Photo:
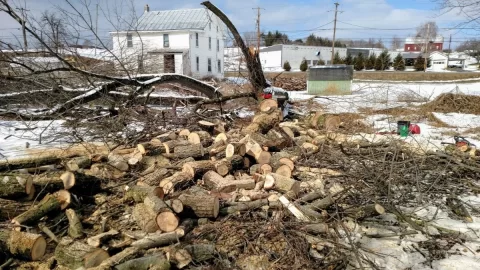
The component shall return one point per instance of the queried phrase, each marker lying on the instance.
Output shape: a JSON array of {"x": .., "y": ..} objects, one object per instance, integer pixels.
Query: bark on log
[
  {"x": 317, "y": 228},
  {"x": 366, "y": 211},
  {"x": 165, "y": 219},
  {"x": 16, "y": 186},
  {"x": 154, "y": 178},
  {"x": 179, "y": 257},
  {"x": 178, "y": 179},
  {"x": 76, "y": 254},
  {"x": 216, "y": 182},
  {"x": 23, "y": 245},
  {"x": 198, "y": 168},
  {"x": 263, "y": 122},
  {"x": 116, "y": 259},
  {"x": 201, "y": 205},
  {"x": 105, "y": 171},
  {"x": 151, "y": 148},
  {"x": 157, "y": 262},
  {"x": 145, "y": 218},
  {"x": 170, "y": 145},
  {"x": 176, "y": 205},
  {"x": 50, "y": 203},
  {"x": 201, "y": 252},
  {"x": 158, "y": 239},
  {"x": 184, "y": 133},
  {"x": 223, "y": 167},
  {"x": 282, "y": 184},
  {"x": 83, "y": 183},
  {"x": 78, "y": 163},
  {"x": 247, "y": 206},
  {"x": 236, "y": 162},
  {"x": 75, "y": 228},
  {"x": 97, "y": 240},
  {"x": 139, "y": 193},
  {"x": 276, "y": 157},
  {"x": 192, "y": 150},
  {"x": 200, "y": 137}
]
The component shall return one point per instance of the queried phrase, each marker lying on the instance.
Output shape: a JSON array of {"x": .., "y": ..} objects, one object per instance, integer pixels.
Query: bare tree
[
  {"x": 427, "y": 30},
  {"x": 396, "y": 43},
  {"x": 470, "y": 9},
  {"x": 53, "y": 30},
  {"x": 250, "y": 38},
  {"x": 472, "y": 48}
]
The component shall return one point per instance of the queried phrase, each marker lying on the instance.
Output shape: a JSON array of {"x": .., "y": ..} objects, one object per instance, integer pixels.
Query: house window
[
  {"x": 209, "y": 43},
  {"x": 218, "y": 45},
  {"x": 198, "y": 63},
  {"x": 219, "y": 64},
  {"x": 166, "y": 41},
  {"x": 209, "y": 65},
  {"x": 196, "y": 39},
  {"x": 129, "y": 41}
]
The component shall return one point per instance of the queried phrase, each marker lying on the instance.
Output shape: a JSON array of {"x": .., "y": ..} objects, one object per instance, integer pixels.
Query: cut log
[
  {"x": 200, "y": 137},
  {"x": 312, "y": 133},
  {"x": 176, "y": 205},
  {"x": 198, "y": 168},
  {"x": 178, "y": 179},
  {"x": 117, "y": 259},
  {"x": 151, "y": 148},
  {"x": 167, "y": 221},
  {"x": 120, "y": 165},
  {"x": 180, "y": 257},
  {"x": 366, "y": 211},
  {"x": 248, "y": 206},
  {"x": 217, "y": 148},
  {"x": 288, "y": 131},
  {"x": 288, "y": 162},
  {"x": 265, "y": 169},
  {"x": 139, "y": 193},
  {"x": 158, "y": 239},
  {"x": 276, "y": 157},
  {"x": 105, "y": 171},
  {"x": 268, "y": 105},
  {"x": 255, "y": 168},
  {"x": 184, "y": 133},
  {"x": 75, "y": 228},
  {"x": 80, "y": 180},
  {"x": 201, "y": 205},
  {"x": 319, "y": 140},
  {"x": 50, "y": 203},
  {"x": 293, "y": 209},
  {"x": 185, "y": 151},
  {"x": 236, "y": 162},
  {"x": 282, "y": 184},
  {"x": 223, "y": 167},
  {"x": 97, "y": 240},
  {"x": 263, "y": 122},
  {"x": 284, "y": 170},
  {"x": 205, "y": 125},
  {"x": 145, "y": 218},
  {"x": 23, "y": 245},
  {"x": 253, "y": 149},
  {"x": 216, "y": 182},
  {"x": 317, "y": 228},
  {"x": 310, "y": 148},
  {"x": 170, "y": 145},
  {"x": 16, "y": 186},
  {"x": 157, "y": 262},
  {"x": 263, "y": 158},
  {"x": 154, "y": 178},
  {"x": 75, "y": 254},
  {"x": 78, "y": 163},
  {"x": 221, "y": 137}
]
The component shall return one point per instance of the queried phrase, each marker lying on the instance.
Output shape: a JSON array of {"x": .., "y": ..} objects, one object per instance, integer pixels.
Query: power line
[{"x": 334, "y": 30}]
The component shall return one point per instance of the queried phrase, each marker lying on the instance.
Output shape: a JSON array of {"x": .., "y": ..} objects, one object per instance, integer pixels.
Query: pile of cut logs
[
  {"x": 115, "y": 208},
  {"x": 291, "y": 84}
]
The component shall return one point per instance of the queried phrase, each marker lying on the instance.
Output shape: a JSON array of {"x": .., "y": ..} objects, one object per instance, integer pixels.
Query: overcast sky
[{"x": 297, "y": 18}]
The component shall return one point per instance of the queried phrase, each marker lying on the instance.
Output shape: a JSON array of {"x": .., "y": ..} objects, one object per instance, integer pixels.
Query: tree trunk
[
  {"x": 50, "y": 203},
  {"x": 16, "y": 186},
  {"x": 257, "y": 79},
  {"x": 75, "y": 254},
  {"x": 201, "y": 205},
  {"x": 23, "y": 245}
]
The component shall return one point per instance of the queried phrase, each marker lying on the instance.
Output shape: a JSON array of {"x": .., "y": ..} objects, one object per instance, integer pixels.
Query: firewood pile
[
  {"x": 268, "y": 195},
  {"x": 291, "y": 84}
]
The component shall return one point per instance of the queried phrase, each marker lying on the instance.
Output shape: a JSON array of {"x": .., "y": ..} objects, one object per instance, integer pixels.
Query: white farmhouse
[{"x": 187, "y": 41}]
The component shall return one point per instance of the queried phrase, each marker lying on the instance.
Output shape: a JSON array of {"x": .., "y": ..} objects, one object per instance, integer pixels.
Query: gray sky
[{"x": 358, "y": 19}]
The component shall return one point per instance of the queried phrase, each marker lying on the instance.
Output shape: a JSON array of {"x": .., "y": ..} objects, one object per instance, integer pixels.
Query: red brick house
[{"x": 417, "y": 44}]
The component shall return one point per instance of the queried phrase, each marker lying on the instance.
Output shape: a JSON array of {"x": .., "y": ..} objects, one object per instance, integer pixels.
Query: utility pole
[
  {"x": 96, "y": 32},
  {"x": 24, "y": 21},
  {"x": 334, "y": 31},
  {"x": 258, "y": 28},
  {"x": 449, "y": 49}
]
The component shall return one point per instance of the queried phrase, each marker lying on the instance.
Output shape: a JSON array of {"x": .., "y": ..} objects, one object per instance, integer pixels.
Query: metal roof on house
[{"x": 182, "y": 19}]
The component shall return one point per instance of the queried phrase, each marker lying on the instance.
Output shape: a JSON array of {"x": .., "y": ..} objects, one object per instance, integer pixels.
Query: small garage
[{"x": 439, "y": 61}]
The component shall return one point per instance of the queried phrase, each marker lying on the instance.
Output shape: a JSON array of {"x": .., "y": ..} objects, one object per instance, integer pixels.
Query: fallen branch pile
[
  {"x": 269, "y": 195},
  {"x": 291, "y": 83}
]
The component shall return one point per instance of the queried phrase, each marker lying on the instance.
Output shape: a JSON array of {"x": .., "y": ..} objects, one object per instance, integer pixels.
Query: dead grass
[
  {"x": 411, "y": 97},
  {"x": 415, "y": 114},
  {"x": 454, "y": 103}
]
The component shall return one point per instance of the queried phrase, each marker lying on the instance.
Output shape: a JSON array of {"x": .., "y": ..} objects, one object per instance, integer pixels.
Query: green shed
[{"x": 330, "y": 80}]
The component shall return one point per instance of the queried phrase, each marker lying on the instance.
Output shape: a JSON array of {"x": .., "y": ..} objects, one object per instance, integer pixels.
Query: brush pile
[
  {"x": 291, "y": 84},
  {"x": 267, "y": 195}
]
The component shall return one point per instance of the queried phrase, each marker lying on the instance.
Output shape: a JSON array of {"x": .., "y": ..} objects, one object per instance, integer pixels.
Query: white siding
[{"x": 271, "y": 60}]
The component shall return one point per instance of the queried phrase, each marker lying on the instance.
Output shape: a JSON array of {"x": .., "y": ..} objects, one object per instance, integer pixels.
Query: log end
[
  {"x": 95, "y": 258},
  {"x": 39, "y": 248},
  {"x": 167, "y": 221},
  {"x": 65, "y": 198},
  {"x": 68, "y": 179}
]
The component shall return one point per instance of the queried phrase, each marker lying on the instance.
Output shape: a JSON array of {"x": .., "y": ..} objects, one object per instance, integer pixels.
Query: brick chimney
[{"x": 147, "y": 8}]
